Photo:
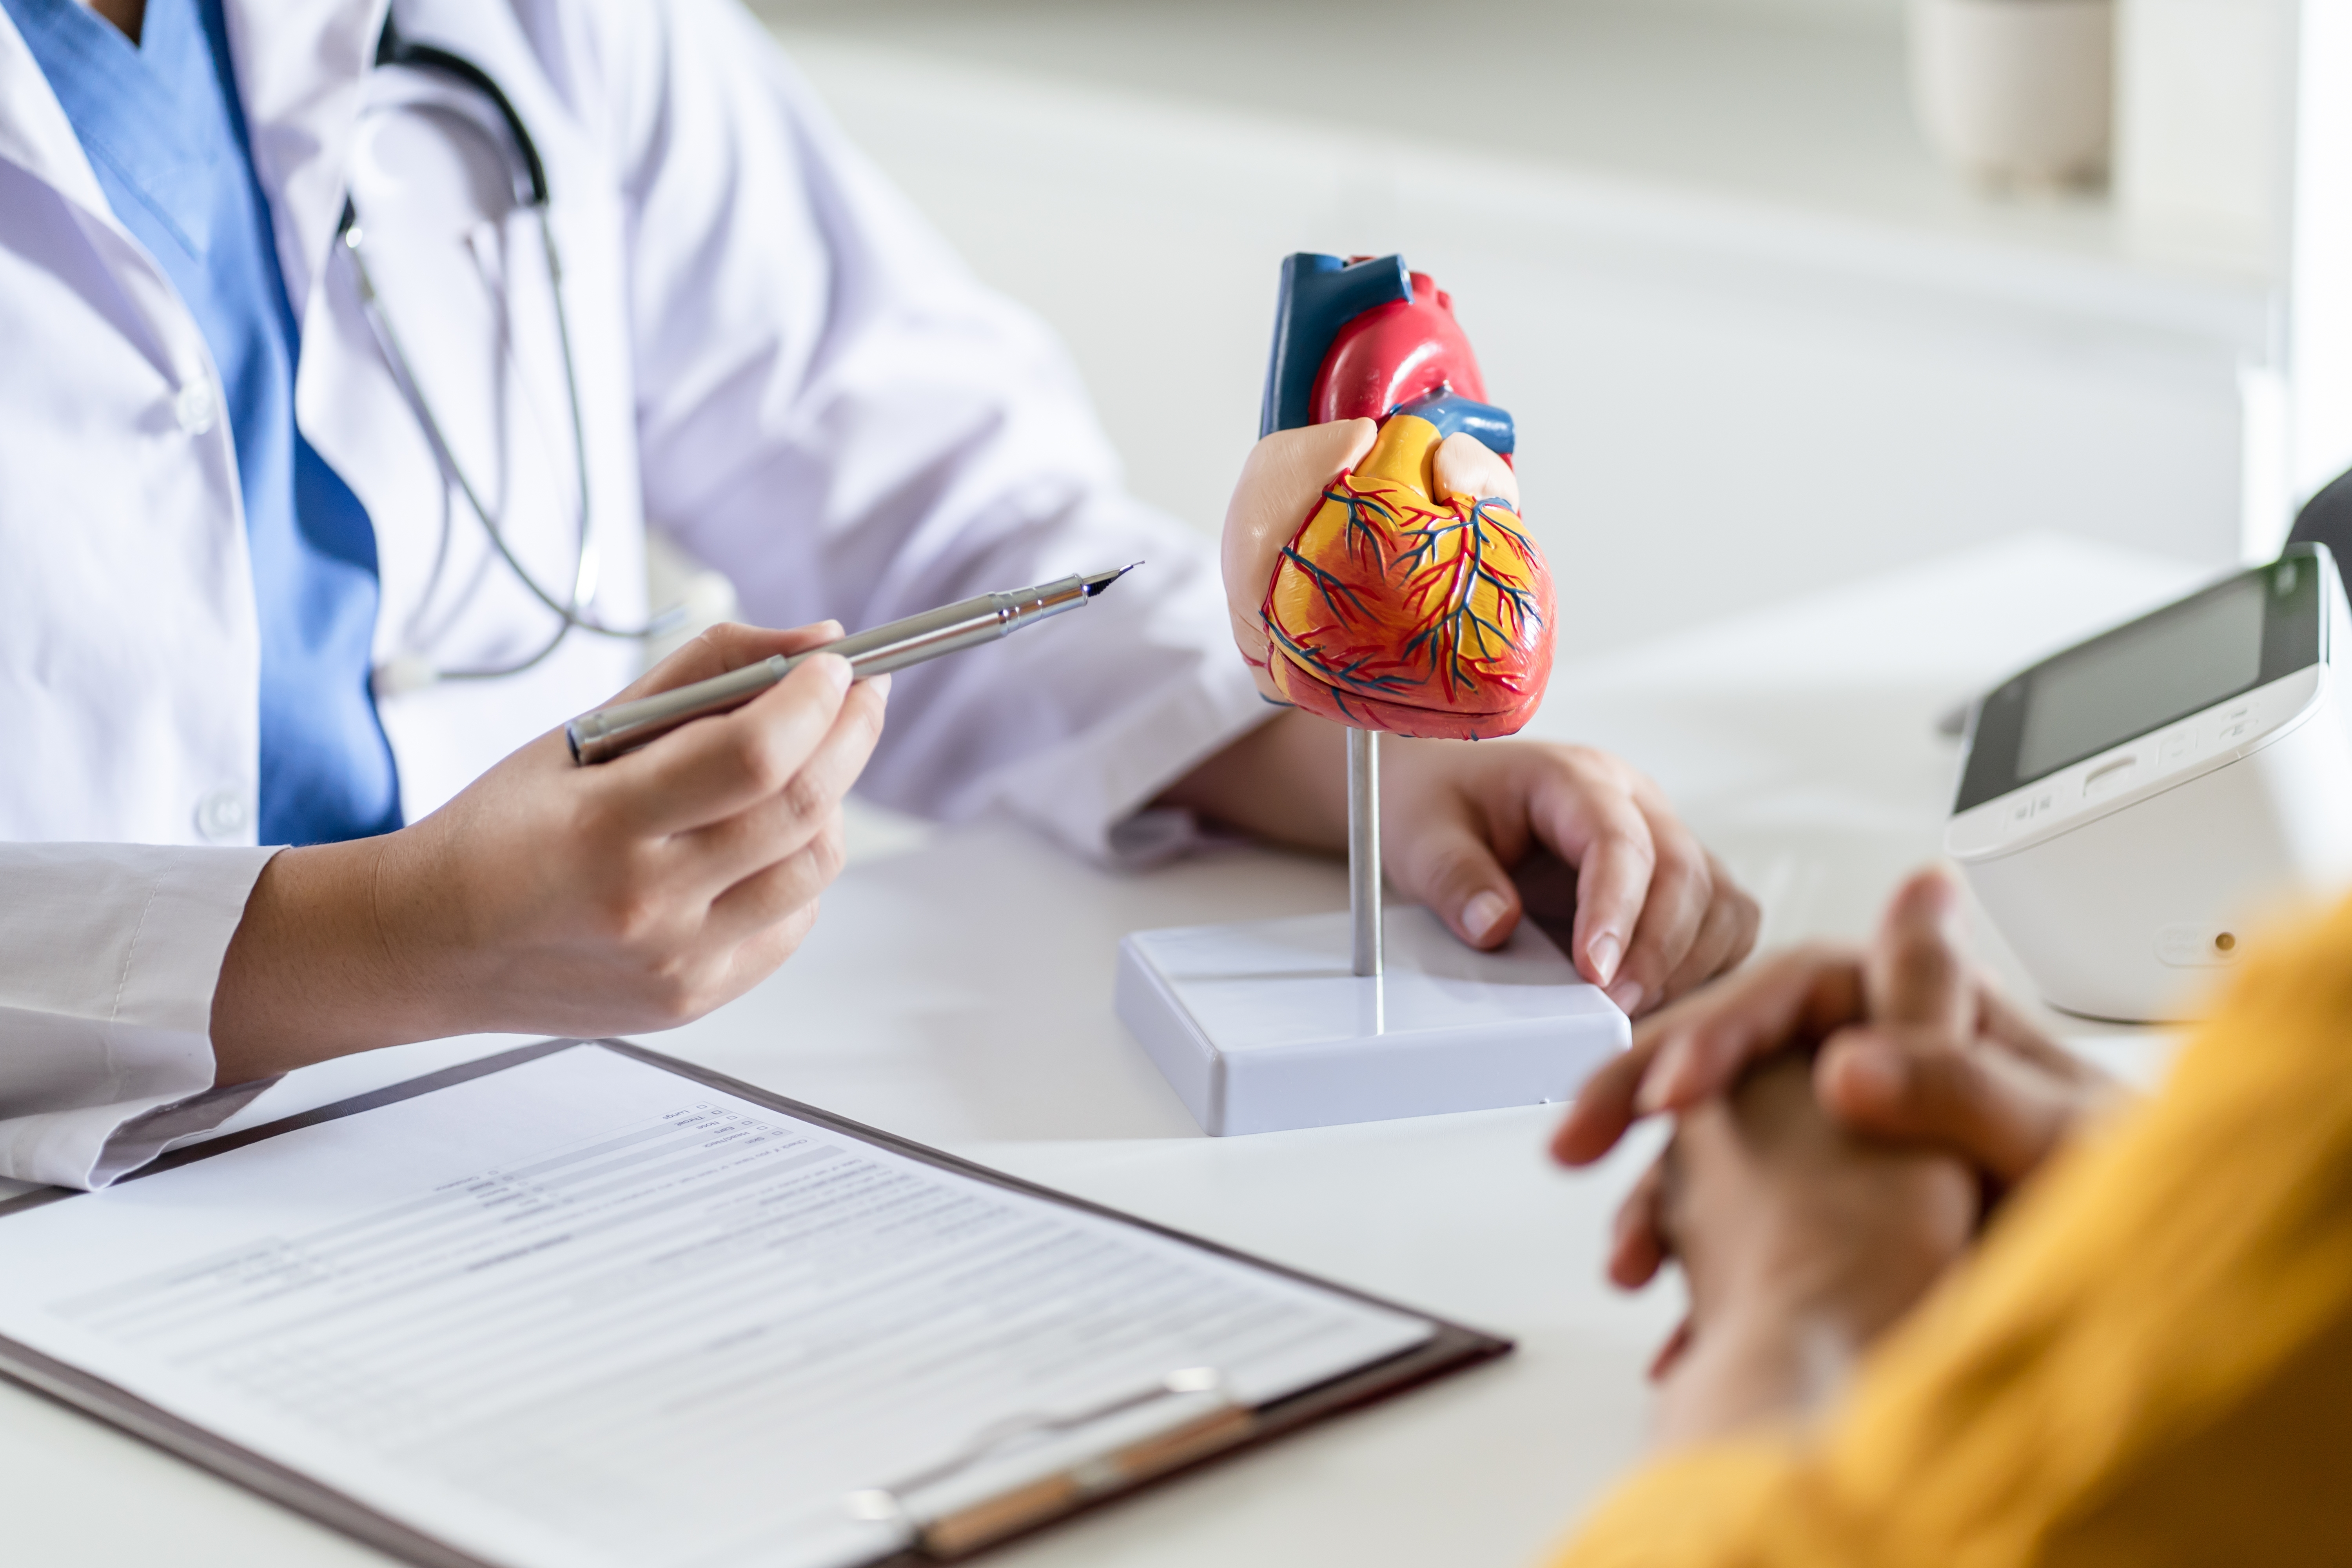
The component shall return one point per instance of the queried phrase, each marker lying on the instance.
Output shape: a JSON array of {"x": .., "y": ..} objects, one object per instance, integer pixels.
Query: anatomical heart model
[
  {"x": 1375, "y": 564},
  {"x": 1377, "y": 576}
]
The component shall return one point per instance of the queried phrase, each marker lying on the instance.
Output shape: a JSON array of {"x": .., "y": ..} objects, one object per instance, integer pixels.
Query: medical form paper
[{"x": 586, "y": 1310}]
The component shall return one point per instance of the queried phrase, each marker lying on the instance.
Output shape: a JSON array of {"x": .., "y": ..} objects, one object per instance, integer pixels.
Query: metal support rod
[{"x": 1364, "y": 847}]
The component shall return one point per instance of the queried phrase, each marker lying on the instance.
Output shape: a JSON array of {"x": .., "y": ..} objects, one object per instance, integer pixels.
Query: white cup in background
[{"x": 2016, "y": 92}]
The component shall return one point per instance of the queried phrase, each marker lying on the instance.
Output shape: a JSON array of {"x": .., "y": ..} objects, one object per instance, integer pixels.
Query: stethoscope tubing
[{"x": 571, "y": 612}]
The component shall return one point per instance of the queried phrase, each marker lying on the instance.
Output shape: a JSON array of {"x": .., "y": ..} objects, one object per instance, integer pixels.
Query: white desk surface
[{"x": 958, "y": 990}]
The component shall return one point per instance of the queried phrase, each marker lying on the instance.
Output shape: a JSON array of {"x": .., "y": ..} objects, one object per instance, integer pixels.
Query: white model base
[{"x": 1261, "y": 1027}]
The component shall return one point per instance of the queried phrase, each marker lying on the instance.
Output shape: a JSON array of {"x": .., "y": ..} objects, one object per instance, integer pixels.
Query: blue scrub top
[{"x": 161, "y": 123}]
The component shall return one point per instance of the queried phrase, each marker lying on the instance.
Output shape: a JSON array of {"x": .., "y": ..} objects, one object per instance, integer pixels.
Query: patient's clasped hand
[{"x": 1950, "y": 1301}]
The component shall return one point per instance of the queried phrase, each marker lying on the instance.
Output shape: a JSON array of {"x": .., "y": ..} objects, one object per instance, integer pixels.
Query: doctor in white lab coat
[{"x": 777, "y": 363}]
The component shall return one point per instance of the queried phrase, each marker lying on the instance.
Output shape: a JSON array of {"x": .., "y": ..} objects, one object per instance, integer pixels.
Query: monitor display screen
[
  {"x": 2146, "y": 675},
  {"x": 2245, "y": 631}
]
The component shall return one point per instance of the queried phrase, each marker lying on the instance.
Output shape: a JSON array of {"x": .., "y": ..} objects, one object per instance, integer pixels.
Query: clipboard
[{"x": 1210, "y": 1430}]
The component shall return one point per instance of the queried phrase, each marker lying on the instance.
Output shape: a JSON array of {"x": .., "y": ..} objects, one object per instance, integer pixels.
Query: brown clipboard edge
[{"x": 1453, "y": 1348}]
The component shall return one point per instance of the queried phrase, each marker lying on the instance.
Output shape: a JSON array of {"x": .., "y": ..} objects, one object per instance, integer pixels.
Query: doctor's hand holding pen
[{"x": 554, "y": 899}]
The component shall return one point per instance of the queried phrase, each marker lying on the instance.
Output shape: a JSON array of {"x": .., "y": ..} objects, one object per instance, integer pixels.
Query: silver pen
[{"x": 624, "y": 727}]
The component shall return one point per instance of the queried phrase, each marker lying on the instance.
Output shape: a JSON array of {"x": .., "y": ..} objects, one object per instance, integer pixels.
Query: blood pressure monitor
[{"x": 2131, "y": 809}]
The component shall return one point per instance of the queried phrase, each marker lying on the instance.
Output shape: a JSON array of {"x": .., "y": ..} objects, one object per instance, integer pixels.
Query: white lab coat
[{"x": 780, "y": 365}]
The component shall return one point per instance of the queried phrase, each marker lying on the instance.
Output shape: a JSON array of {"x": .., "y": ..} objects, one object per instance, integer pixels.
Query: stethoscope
[{"x": 571, "y": 607}]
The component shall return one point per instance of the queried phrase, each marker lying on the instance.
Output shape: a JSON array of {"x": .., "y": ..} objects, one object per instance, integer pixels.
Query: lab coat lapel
[
  {"x": 35, "y": 136},
  {"x": 302, "y": 67},
  {"x": 35, "y": 133}
]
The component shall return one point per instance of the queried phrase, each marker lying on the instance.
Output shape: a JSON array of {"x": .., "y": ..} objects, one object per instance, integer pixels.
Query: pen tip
[{"x": 1097, "y": 581}]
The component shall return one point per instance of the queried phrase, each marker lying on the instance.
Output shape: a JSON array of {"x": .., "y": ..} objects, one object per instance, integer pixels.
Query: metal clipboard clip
[{"x": 984, "y": 1493}]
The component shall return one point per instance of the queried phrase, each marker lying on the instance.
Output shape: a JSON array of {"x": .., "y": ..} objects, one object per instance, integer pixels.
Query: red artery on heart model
[{"x": 1394, "y": 607}]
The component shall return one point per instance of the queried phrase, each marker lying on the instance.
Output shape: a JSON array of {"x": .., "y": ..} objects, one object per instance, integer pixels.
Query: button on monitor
[
  {"x": 2114, "y": 776},
  {"x": 2188, "y": 946}
]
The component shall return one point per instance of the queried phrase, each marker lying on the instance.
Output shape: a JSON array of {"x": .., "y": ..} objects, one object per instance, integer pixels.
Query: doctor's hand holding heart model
[{"x": 349, "y": 358}]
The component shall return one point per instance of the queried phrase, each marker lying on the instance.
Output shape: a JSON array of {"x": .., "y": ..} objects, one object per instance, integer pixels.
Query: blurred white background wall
[{"x": 1755, "y": 337}]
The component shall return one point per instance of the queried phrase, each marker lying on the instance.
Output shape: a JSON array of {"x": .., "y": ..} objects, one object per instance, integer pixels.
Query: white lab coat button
[
  {"x": 224, "y": 817},
  {"x": 194, "y": 407}
]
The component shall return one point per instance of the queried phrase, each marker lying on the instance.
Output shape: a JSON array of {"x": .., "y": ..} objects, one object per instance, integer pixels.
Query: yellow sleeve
[{"x": 2149, "y": 1362}]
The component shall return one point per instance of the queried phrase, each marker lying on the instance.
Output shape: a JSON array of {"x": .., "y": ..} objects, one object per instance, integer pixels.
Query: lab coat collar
[
  {"x": 37, "y": 137},
  {"x": 301, "y": 68},
  {"x": 35, "y": 133}
]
